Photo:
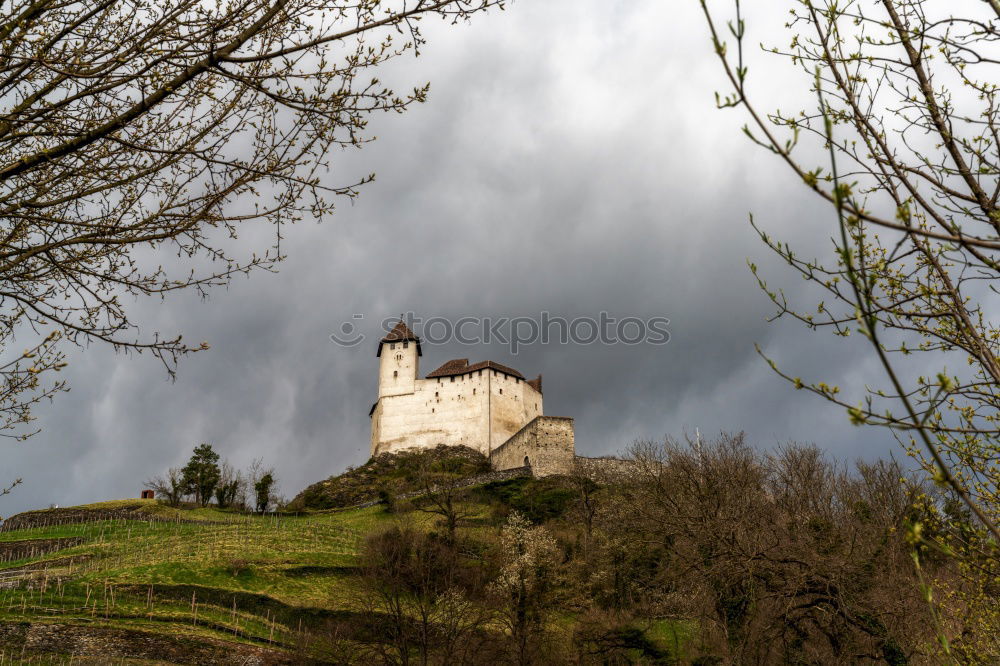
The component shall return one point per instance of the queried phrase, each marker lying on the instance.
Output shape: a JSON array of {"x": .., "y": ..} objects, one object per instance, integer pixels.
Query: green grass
[
  {"x": 672, "y": 635},
  {"x": 156, "y": 509},
  {"x": 187, "y": 576}
]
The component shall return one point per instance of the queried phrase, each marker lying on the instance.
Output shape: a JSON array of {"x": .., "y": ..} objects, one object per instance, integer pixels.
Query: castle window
[
  {"x": 432, "y": 410},
  {"x": 473, "y": 391},
  {"x": 452, "y": 380},
  {"x": 501, "y": 391},
  {"x": 435, "y": 394},
  {"x": 480, "y": 373},
  {"x": 395, "y": 373},
  {"x": 406, "y": 344},
  {"x": 392, "y": 346}
]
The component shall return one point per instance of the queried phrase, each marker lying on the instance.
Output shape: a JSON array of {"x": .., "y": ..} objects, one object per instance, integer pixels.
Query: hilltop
[
  {"x": 390, "y": 475},
  {"x": 127, "y": 509}
]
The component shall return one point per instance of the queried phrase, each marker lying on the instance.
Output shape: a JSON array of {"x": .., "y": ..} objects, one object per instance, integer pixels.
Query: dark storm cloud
[{"x": 570, "y": 160}]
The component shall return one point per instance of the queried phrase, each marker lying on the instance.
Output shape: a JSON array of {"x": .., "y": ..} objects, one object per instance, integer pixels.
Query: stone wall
[
  {"x": 546, "y": 444},
  {"x": 604, "y": 469}
]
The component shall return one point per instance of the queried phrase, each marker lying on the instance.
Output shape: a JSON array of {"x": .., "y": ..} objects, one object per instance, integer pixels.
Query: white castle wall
[{"x": 418, "y": 413}]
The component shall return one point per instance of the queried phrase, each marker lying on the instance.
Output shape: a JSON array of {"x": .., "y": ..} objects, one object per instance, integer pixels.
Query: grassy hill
[
  {"x": 135, "y": 581},
  {"x": 720, "y": 554},
  {"x": 708, "y": 555}
]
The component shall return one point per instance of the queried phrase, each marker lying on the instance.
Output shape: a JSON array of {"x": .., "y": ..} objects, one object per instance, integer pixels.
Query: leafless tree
[
  {"x": 779, "y": 558},
  {"x": 416, "y": 591},
  {"x": 442, "y": 495},
  {"x": 262, "y": 481},
  {"x": 231, "y": 487},
  {"x": 171, "y": 486},
  {"x": 138, "y": 140},
  {"x": 587, "y": 498},
  {"x": 904, "y": 142}
]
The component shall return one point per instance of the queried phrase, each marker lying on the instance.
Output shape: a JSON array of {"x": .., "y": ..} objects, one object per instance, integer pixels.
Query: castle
[{"x": 486, "y": 406}]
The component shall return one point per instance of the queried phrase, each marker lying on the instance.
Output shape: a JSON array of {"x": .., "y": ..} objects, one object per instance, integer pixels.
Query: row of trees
[
  {"x": 712, "y": 550},
  {"x": 205, "y": 478}
]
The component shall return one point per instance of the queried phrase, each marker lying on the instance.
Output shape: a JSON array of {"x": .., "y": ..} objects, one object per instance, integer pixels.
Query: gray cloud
[{"x": 570, "y": 159}]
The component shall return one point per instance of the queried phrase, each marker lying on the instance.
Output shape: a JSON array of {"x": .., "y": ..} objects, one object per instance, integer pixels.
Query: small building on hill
[{"x": 486, "y": 406}]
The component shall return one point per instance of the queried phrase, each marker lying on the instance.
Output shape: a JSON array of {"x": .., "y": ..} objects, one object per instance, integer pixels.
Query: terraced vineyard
[{"x": 181, "y": 577}]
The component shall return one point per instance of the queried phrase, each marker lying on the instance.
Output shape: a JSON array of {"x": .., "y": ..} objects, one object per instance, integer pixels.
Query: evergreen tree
[{"x": 202, "y": 473}]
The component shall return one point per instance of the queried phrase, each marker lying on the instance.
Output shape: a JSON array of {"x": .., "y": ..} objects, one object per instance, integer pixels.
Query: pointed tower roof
[{"x": 399, "y": 333}]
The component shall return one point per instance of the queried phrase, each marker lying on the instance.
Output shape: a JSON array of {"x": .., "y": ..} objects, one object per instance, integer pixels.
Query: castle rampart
[
  {"x": 546, "y": 445},
  {"x": 606, "y": 468}
]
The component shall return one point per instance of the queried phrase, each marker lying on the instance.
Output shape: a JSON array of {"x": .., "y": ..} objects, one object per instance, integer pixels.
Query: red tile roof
[
  {"x": 495, "y": 366},
  {"x": 460, "y": 366},
  {"x": 455, "y": 366},
  {"x": 399, "y": 333}
]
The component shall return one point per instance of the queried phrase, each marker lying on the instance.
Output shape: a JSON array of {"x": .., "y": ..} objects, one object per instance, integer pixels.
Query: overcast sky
[{"x": 570, "y": 159}]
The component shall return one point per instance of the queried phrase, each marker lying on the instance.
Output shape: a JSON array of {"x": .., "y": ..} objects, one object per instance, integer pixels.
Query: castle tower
[{"x": 399, "y": 361}]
